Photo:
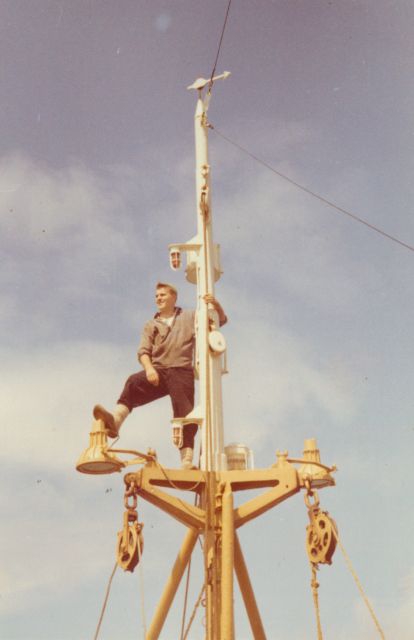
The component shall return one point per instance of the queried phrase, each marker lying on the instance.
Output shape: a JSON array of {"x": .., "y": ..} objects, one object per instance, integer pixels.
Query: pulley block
[
  {"x": 321, "y": 538},
  {"x": 130, "y": 542}
]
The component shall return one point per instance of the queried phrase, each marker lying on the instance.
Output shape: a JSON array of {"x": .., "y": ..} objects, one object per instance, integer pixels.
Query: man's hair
[{"x": 168, "y": 286}]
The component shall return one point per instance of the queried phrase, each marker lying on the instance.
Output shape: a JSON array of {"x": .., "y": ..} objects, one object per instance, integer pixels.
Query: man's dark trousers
[{"x": 177, "y": 382}]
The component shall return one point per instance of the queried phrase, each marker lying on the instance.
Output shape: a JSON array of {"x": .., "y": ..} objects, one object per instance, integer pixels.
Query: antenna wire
[{"x": 312, "y": 193}]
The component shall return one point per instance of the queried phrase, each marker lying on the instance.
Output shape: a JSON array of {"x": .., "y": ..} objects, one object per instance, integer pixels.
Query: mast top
[{"x": 200, "y": 83}]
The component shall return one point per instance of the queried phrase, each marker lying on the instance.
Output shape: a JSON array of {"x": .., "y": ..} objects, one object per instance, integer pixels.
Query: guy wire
[
  {"x": 210, "y": 86},
  {"x": 359, "y": 586},
  {"x": 312, "y": 193}
]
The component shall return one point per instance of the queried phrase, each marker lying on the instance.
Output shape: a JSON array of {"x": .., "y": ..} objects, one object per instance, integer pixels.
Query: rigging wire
[
  {"x": 359, "y": 585},
  {"x": 108, "y": 590},
  {"x": 312, "y": 193},
  {"x": 187, "y": 587},
  {"x": 197, "y": 604},
  {"x": 187, "y": 582},
  {"x": 210, "y": 86},
  {"x": 141, "y": 584},
  {"x": 105, "y": 602}
]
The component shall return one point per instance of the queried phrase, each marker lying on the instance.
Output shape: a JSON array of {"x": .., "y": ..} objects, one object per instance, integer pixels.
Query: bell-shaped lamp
[
  {"x": 317, "y": 474},
  {"x": 96, "y": 459}
]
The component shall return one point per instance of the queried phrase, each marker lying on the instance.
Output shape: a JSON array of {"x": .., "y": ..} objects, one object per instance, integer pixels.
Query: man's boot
[
  {"x": 112, "y": 421},
  {"x": 186, "y": 454}
]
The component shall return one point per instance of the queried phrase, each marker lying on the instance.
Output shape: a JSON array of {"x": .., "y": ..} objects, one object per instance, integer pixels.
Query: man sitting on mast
[{"x": 166, "y": 352}]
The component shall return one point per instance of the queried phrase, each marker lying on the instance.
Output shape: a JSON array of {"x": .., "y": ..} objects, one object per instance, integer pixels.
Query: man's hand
[
  {"x": 150, "y": 371},
  {"x": 152, "y": 376},
  {"x": 210, "y": 299}
]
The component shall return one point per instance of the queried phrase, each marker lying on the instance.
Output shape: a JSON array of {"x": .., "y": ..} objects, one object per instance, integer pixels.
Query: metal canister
[{"x": 239, "y": 457}]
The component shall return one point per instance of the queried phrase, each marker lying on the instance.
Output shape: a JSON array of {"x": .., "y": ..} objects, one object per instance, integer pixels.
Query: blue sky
[{"x": 96, "y": 179}]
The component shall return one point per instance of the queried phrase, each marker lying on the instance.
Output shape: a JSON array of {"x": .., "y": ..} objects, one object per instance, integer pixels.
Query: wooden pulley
[
  {"x": 128, "y": 553},
  {"x": 321, "y": 538}
]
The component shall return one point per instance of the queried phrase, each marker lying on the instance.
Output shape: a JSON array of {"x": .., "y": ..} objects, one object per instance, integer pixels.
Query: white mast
[{"x": 203, "y": 269}]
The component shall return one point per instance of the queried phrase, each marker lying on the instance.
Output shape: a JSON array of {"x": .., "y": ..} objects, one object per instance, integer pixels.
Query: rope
[
  {"x": 187, "y": 586},
  {"x": 210, "y": 86},
  {"x": 315, "y": 586},
  {"x": 108, "y": 589},
  {"x": 313, "y": 194},
  {"x": 359, "y": 585},
  {"x": 197, "y": 604},
  {"x": 141, "y": 584},
  {"x": 172, "y": 484}
]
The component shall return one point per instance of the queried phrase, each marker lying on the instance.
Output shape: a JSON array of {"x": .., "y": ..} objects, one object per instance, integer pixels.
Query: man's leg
[
  {"x": 180, "y": 384},
  {"x": 114, "y": 420},
  {"x": 136, "y": 392}
]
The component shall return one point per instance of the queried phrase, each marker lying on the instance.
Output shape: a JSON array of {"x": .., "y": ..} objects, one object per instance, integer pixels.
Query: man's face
[{"x": 165, "y": 300}]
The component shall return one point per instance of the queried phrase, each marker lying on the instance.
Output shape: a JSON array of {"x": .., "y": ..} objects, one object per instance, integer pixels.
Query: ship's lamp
[
  {"x": 97, "y": 459},
  {"x": 311, "y": 469},
  {"x": 175, "y": 258}
]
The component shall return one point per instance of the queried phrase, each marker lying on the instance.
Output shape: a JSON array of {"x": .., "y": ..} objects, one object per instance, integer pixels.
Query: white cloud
[
  {"x": 274, "y": 376},
  {"x": 75, "y": 253},
  {"x": 50, "y": 201},
  {"x": 47, "y": 401},
  {"x": 285, "y": 242},
  {"x": 400, "y": 622},
  {"x": 47, "y": 506},
  {"x": 64, "y": 237}
]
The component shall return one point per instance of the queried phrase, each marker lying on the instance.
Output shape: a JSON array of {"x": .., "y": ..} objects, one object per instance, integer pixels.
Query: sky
[{"x": 96, "y": 179}]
